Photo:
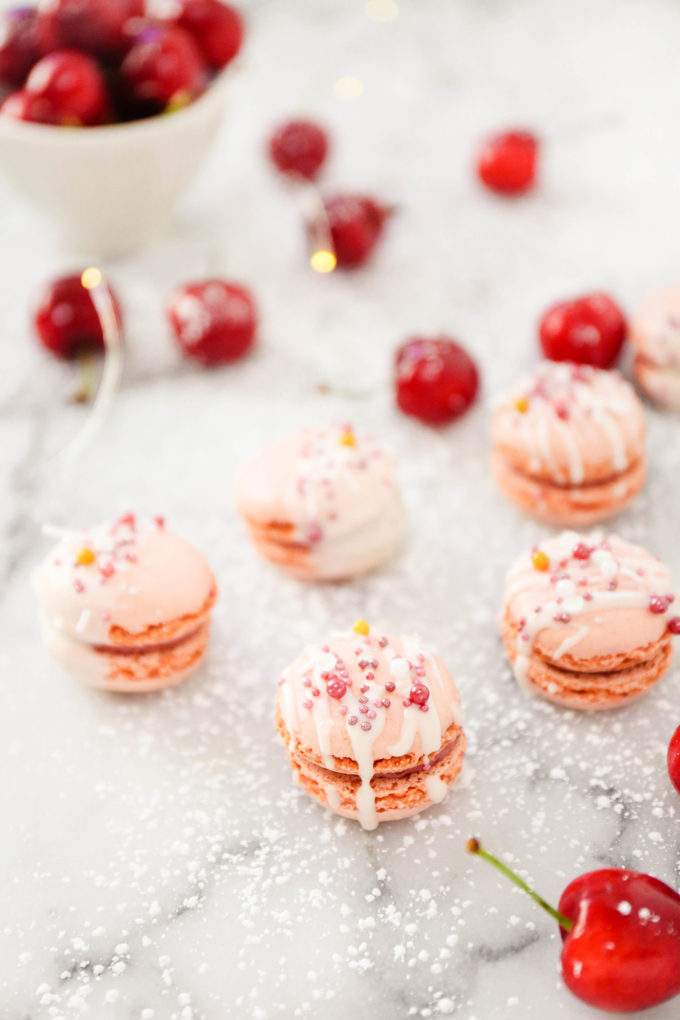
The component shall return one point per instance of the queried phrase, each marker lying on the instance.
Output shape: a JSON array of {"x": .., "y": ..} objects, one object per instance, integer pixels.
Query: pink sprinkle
[
  {"x": 424, "y": 708},
  {"x": 352, "y": 720},
  {"x": 613, "y": 584},
  {"x": 389, "y": 686},
  {"x": 306, "y": 703},
  {"x": 406, "y": 702},
  {"x": 306, "y": 682},
  {"x": 106, "y": 616},
  {"x": 363, "y": 700},
  {"x": 315, "y": 692},
  {"x": 78, "y": 585},
  {"x": 363, "y": 663},
  {"x": 370, "y": 714},
  {"x": 562, "y": 617},
  {"x": 370, "y": 676},
  {"x": 386, "y": 702},
  {"x": 160, "y": 521},
  {"x": 56, "y": 562},
  {"x": 588, "y": 596},
  {"x": 363, "y": 709},
  {"x": 325, "y": 648},
  {"x": 280, "y": 682},
  {"x": 343, "y": 710},
  {"x": 128, "y": 519},
  {"x": 365, "y": 725},
  {"x": 364, "y": 688},
  {"x": 382, "y": 642},
  {"x": 314, "y": 533},
  {"x": 107, "y": 569}
]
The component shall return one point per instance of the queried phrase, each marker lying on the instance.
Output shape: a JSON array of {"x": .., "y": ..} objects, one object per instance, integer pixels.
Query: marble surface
[{"x": 157, "y": 860}]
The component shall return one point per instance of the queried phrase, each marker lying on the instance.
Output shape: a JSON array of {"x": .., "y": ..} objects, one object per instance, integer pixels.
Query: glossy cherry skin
[
  {"x": 23, "y": 105},
  {"x": 216, "y": 28},
  {"x": 66, "y": 320},
  {"x": 162, "y": 67},
  {"x": 93, "y": 26},
  {"x": 507, "y": 163},
  {"x": 73, "y": 85},
  {"x": 299, "y": 147},
  {"x": 24, "y": 38},
  {"x": 589, "y": 330},
  {"x": 436, "y": 379},
  {"x": 355, "y": 222},
  {"x": 214, "y": 321},
  {"x": 623, "y": 953},
  {"x": 674, "y": 759}
]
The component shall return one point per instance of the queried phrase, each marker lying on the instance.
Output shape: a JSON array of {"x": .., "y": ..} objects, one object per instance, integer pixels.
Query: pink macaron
[
  {"x": 655, "y": 338},
  {"x": 569, "y": 444},
  {"x": 588, "y": 620},
  {"x": 125, "y": 605},
  {"x": 373, "y": 725}
]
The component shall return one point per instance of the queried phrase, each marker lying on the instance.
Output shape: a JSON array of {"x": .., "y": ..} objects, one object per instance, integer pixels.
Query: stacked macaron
[
  {"x": 588, "y": 620},
  {"x": 126, "y": 605},
  {"x": 324, "y": 504},
  {"x": 372, "y": 725},
  {"x": 569, "y": 444},
  {"x": 655, "y": 336}
]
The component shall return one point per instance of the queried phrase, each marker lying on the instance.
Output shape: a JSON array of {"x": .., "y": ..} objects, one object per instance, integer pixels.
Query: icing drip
[{"x": 436, "y": 789}]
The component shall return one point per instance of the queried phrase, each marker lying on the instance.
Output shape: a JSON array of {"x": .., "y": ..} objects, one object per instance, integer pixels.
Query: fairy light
[
  {"x": 93, "y": 281},
  {"x": 381, "y": 10},
  {"x": 323, "y": 261},
  {"x": 348, "y": 88}
]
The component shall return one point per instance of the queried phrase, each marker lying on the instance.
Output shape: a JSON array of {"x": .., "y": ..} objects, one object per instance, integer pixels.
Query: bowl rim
[{"x": 162, "y": 122}]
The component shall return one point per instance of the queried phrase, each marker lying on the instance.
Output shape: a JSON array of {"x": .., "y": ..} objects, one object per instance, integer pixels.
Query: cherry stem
[
  {"x": 87, "y": 379},
  {"x": 473, "y": 846}
]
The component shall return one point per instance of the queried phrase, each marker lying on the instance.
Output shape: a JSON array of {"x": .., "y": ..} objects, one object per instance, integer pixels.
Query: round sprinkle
[
  {"x": 84, "y": 557},
  {"x": 352, "y": 720},
  {"x": 361, "y": 627},
  {"x": 347, "y": 438},
  {"x": 365, "y": 725},
  {"x": 540, "y": 560},
  {"x": 522, "y": 405},
  {"x": 674, "y": 625}
]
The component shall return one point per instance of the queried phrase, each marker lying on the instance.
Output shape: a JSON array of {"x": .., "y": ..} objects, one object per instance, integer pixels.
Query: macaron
[
  {"x": 125, "y": 606},
  {"x": 373, "y": 725},
  {"x": 324, "y": 504},
  {"x": 588, "y": 620},
  {"x": 569, "y": 444},
  {"x": 655, "y": 338}
]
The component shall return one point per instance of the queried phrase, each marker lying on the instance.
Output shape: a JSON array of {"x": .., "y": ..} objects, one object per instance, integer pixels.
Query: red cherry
[
  {"x": 23, "y": 105},
  {"x": 66, "y": 320},
  {"x": 93, "y": 26},
  {"x": 436, "y": 379},
  {"x": 355, "y": 224},
  {"x": 216, "y": 28},
  {"x": 621, "y": 935},
  {"x": 162, "y": 67},
  {"x": 623, "y": 952},
  {"x": 589, "y": 330},
  {"x": 674, "y": 759},
  {"x": 23, "y": 40},
  {"x": 73, "y": 85},
  {"x": 299, "y": 147},
  {"x": 419, "y": 694},
  {"x": 214, "y": 321},
  {"x": 507, "y": 162},
  {"x": 336, "y": 688}
]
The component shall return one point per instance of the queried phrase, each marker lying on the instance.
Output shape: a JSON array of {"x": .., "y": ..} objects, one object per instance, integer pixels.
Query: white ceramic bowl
[{"x": 109, "y": 190}]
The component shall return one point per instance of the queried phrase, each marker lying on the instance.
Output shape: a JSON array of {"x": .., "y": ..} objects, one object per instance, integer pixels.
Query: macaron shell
[
  {"x": 570, "y": 425},
  {"x": 661, "y": 383},
  {"x": 575, "y": 506},
  {"x": 655, "y": 328}
]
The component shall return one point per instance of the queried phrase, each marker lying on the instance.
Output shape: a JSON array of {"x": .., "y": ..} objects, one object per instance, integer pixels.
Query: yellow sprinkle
[
  {"x": 347, "y": 438},
  {"x": 522, "y": 405},
  {"x": 540, "y": 560},
  {"x": 323, "y": 261},
  {"x": 84, "y": 557},
  {"x": 361, "y": 627}
]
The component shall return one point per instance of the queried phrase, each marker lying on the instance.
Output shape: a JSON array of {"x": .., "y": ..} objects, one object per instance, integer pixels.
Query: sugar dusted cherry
[
  {"x": 356, "y": 223},
  {"x": 214, "y": 321},
  {"x": 436, "y": 379},
  {"x": 299, "y": 147},
  {"x": 589, "y": 330},
  {"x": 73, "y": 85},
  {"x": 66, "y": 320},
  {"x": 507, "y": 162},
  {"x": 162, "y": 67}
]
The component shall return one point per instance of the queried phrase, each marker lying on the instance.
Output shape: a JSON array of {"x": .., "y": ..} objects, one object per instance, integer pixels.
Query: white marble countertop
[{"x": 158, "y": 861}]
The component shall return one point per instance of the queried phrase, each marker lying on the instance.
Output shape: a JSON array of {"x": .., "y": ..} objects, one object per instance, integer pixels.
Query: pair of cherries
[
  {"x": 83, "y": 63},
  {"x": 214, "y": 322}
]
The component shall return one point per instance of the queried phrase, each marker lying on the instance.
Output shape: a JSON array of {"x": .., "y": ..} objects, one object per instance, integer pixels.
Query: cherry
[
  {"x": 216, "y": 28},
  {"x": 299, "y": 147},
  {"x": 23, "y": 40},
  {"x": 94, "y": 26},
  {"x": 23, "y": 105},
  {"x": 355, "y": 223},
  {"x": 589, "y": 330},
  {"x": 507, "y": 162},
  {"x": 214, "y": 321},
  {"x": 163, "y": 66},
  {"x": 72, "y": 84},
  {"x": 621, "y": 934},
  {"x": 436, "y": 379},
  {"x": 674, "y": 759},
  {"x": 66, "y": 320}
]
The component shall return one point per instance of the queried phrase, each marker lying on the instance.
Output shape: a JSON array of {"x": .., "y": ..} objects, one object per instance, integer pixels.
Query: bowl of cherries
[{"x": 107, "y": 108}]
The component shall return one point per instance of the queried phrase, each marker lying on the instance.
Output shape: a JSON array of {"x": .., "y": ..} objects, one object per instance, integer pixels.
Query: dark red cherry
[
  {"x": 214, "y": 321},
  {"x": 24, "y": 38},
  {"x": 299, "y": 147},
  {"x": 436, "y": 379},
  {"x": 23, "y": 105},
  {"x": 588, "y": 330},
  {"x": 356, "y": 223},
  {"x": 73, "y": 85},
  {"x": 216, "y": 28},
  {"x": 66, "y": 320},
  {"x": 507, "y": 162},
  {"x": 163, "y": 67},
  {"x": 93, "y": 26}
]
